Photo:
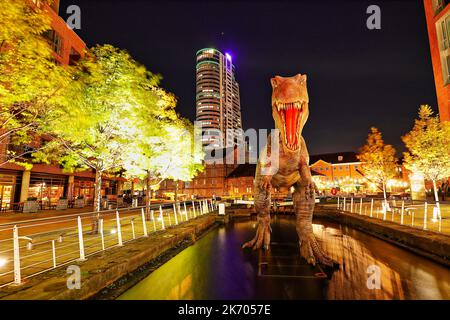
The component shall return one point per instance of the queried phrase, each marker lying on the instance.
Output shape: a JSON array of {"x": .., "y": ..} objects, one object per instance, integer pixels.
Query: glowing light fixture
[
  {"x": 3, "y": 262},
  {"x": 228, "y": 56},
  {"x": 113, "y": 231}
]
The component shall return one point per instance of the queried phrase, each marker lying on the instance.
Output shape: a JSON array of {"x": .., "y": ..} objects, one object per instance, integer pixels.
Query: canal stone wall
[
  {"x": 426, "y": 243},
  {"x": 103, "y": 269}
]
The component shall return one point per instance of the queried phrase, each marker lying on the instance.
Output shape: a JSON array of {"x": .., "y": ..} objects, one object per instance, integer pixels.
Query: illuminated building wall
[
  {"x": 437, "y": 13},
  {"x": 337, "y": 170},
  {"x": 218, "y": 106}
]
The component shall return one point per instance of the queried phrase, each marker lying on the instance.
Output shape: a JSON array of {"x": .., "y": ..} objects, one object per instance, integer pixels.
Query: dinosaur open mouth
[{"x": 290, "y": 115}]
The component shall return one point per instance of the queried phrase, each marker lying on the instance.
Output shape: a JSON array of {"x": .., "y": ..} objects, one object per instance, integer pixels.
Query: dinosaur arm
[
  {"x": 263, "y": 179},
  {"x": 305, "y": 171}
]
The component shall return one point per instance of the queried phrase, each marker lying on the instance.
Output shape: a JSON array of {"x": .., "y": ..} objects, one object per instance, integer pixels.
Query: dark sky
[{"x": 357, "y": 77}]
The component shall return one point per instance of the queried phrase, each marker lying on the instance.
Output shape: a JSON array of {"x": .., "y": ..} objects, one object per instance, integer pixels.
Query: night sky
[{"x": 357, "y": 77}]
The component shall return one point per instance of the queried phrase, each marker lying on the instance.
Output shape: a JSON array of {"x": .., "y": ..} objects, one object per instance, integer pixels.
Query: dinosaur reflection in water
[{"x": 215, "y": 268}]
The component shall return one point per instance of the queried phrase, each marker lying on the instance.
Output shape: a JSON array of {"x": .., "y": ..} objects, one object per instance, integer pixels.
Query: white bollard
[
  {"x": 185, "y": 211},
  {"x": 153, "y": 219},
  {"x": 338, "y": 203},
  {"x": 175, "y": 213},
  {"x": 144, "y": 225},
  {"x": 360, "y": 206},
  {"x": 193, "y": 207},
  {"x": 119, "y": 230},
  {"x": 80, "y": 239},
  {"x": 161, "y": 216},
  {"x": 351, "y": 205},
  {"x": 412, "y": 218},
  {"x": 54, "y": 254},
  {"x": 344, "y": 205},
  {"x": 402, "y": 212},
  {"x": 371, "y": 208},
  {"x": 102, "y": 237},
  {"x": 425, "y": 209},
  {"x": 17, "y": 275},
  {"x": 132, "y": 228}
]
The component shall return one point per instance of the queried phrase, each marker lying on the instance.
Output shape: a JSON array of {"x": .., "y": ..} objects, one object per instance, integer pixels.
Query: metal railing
[
  {"x": 423, "y": 215},
  {"x": 32, "y": 247}
]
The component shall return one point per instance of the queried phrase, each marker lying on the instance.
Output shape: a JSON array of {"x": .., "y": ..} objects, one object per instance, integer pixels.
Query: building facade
[
  {"x": 340, "y": 171},
  {"x": 437, "y": 13},
  {"x": 218, "y": 107},
  {"x": 337, "y": 170},
  {"x": 211, "y": 182}
]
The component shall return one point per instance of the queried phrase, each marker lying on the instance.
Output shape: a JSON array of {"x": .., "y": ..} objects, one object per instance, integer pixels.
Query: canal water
[{"x": 216, "y": 267}]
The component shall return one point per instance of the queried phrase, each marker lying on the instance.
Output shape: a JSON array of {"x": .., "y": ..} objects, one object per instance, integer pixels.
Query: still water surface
[{"x": 215, "y": 267}]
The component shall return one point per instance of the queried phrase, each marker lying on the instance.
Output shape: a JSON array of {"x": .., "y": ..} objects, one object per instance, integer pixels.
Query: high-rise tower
[{"x": 217, "y": 100}]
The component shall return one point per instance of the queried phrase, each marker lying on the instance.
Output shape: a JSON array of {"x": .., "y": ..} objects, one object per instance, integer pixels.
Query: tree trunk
[
  {"x": 97, "y": 201},
  {"x": 148, "y": 197},
  {"x": 385, "y": 200},
  {"x": 176, "y": 191},
  {"x": 436, "y": 198}
]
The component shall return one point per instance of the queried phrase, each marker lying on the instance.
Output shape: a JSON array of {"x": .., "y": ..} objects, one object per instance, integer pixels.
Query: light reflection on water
[{"x": 216, "y": 268}]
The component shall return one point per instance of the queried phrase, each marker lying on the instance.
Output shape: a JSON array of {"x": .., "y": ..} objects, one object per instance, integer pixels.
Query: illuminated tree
[
  {"x": 31, "y": 84},
  {"x": 180, "y": 161},
  {"x": 150, "y": 123},
  {"x": 428, "y": 146},
  {"x": 94, "y": 129},
  {"x": 168, "y": 154},
  {"x": 378, "y": 160}
]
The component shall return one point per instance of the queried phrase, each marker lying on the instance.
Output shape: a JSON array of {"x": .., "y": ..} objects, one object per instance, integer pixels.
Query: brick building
[
  {"x": 437, "y": 13},
  {"x": 211, "y": 182}
]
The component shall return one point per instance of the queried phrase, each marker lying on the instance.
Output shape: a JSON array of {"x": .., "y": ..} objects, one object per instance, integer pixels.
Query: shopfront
[
  {"x": 46, "y": 188},
  {"x": 7, "y": 189},
  {"x": 84, "y": 187}
]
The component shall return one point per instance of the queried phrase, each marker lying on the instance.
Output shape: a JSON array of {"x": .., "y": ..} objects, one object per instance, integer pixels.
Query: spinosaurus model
[{"x": 290, "y": 112}]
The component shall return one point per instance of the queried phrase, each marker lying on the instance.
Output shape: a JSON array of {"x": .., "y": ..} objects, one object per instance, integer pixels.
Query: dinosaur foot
[
  {"x": 262, "y": 237},
  {"x": 311, "y": 251}
]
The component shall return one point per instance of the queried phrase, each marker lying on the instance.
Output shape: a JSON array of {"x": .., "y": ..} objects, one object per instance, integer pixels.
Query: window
[
  {"x": 443, "y": 31},
  {"x": 444, "y": 35},
  {"x": 55, "y": 41},
  {"x": 74, "y": 57},
  {"x": 439, "y": 5}
]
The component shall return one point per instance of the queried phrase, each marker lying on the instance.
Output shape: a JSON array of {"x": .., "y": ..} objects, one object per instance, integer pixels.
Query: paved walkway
[
  {"x": 62, "y": 232},
  {"x": 414, "y": 214}
]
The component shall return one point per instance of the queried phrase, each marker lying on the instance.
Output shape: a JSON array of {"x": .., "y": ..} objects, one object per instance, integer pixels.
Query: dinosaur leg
[
  {"x": 262, "y": 206},
  {"x": 310, "y": 249}
]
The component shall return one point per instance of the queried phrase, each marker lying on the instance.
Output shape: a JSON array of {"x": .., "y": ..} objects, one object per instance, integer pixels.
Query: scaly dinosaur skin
[{"x": 290, "y": 112}]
